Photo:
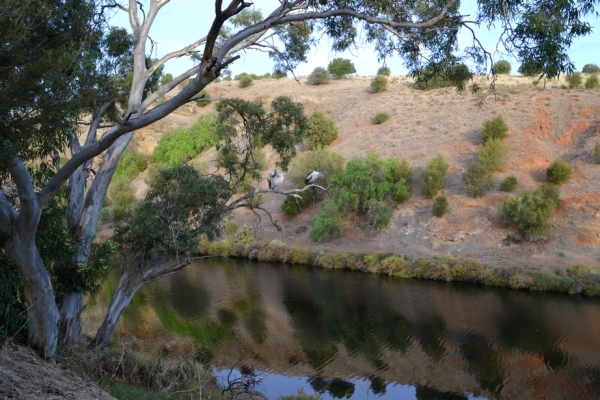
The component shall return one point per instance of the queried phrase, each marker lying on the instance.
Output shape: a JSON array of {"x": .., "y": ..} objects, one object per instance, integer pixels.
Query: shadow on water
[{"x": 351, "y": 335}]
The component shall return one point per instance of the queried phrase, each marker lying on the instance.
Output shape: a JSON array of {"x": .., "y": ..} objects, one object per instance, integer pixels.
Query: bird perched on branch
[
  {"x": 313, "y": 176},
  {"x": 275, "y": 179}
]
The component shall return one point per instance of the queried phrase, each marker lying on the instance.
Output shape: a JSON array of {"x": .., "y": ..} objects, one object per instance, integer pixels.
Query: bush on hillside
[
  {"x": 379, "y": 84},
  {"x": 183, "y": 144},
  {"x": 529, "y": 211},
  {"x": 385, "y": 71},
  {"x": 530, "y": 68},
  {"x": 326, "y": 225},
  {"x": 509, "y": 184},
  {"x": 597, "y": 152},
  {"x": 324, "y": 161},
  {"x": 434, "y": 176},
  {"x": 574, "y": 80},
  {"x": 436, "y": 77},
  {"x": 339, "y": 67},
  {"x": 321, "y": 131},
  {"x": 502, "y": 67},
  {"x": 123, "y": 199},
  {"x": 400, "y": 169},
  {"x": 293, "y": 206},
  {"x": 130, "y": 165},
  {"x": 559, "y": 172},
  {"x": 478, "y": 180},
  {"x": 204, "y": 95},
  {"x": 592, "y": 82},
  {"x": 278, "y": 74},
  {"x": 440, "y": 206},
  {"x": 494, "y": 128},
  {"x": 377, "y": 214},
  {"x": 319, "y": 76},
  {"x": 381, "y": 117},
  {"x": 590, "y": 69},
  {"x": 166, "y": 78},
  {"x": 245, "y": 81},
  {"x": 493, "y": 155}
]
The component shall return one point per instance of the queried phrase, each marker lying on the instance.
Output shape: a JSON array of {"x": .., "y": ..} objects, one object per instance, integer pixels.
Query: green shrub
[
  {"x": 181, "y": 145},
  {"x": 590, "y": 69},
  {"x": 529, "y": 211},
  {"x": 377, "y": 215},
  {"x": 278, "y": 74},
  {"x": 166, "y": 78},
  {"x": 230, "y": 227},
  {"x": 326, "y": 225},
  {"x": 244, "y": 235},
  {"x": 440, "y": 206},
  {"x": 339, "y": 67},
  {"x": 509, "y": 184},
  {"x": 321, "y": 131},
  {"x": 319, "y": 76},
  {"x": 401, "y": 191},
  {"x": 559, "y": 172},
  {"x": 493, "y": 155},
  {"x": 478, "y": 180},
  {"x": 205, "y": 95},
  {"x": 494, "y": 129},
  {"x": 502, "y": 67},
  {"x": 574, "y": 80},
  {"x": 435, "y": 77},
  {"x": 130, "y": 165},
  {"x": 597, "y": 152},
  {"x": 122, "y": 197},
  {"x": 399, "y": 170},
  {"x": 379, "y": 84},
  {"x": 385, "y": 71},
  {"x": 227, "y": 79},
  {"x": 396, "y": 266},
  {"x": 324, "y": 161},
  {"x": 434, "y": 176},
  {"x": 298, "y": 255},
  {"x": 530, "y": 68},
  {"x": 13, "y": 315},
  {"x": 592, "y": 82},
  {"x": 245, "y": 81},
  {"x": 154, "y": 171},
  {"x": 293, "y": 206},
  {"x": 381, "y": 117}
]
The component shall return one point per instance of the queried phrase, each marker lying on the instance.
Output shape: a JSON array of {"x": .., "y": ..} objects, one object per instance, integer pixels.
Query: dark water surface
[{"x": 361, "y": 336}]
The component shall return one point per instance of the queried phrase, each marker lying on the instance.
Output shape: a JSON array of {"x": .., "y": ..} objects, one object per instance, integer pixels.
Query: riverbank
[{"x": 575, "y": 279}]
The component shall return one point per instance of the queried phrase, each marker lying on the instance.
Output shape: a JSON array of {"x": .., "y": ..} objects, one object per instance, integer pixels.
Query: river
[{"x": 351, "y": 335}]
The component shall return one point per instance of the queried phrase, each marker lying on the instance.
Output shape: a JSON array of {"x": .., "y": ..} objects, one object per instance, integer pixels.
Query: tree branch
[{"x": 182, "y": 52}]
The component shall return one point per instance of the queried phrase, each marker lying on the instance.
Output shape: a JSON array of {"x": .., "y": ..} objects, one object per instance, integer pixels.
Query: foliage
[
  {"x": 319, "y": 76},
  {"x": 493, "y": 155},
  {"x": 381, "y": 117},
  {"x": 321, "y": 131},
  {"x": 440, "y": 206},
  {"x": 434, "y": 176},
  {"x": 494, "y": 128},
  {"x": 324, "y": 161},
  {"x": 597, "y": 152},
  {"x": 590, "y": 69},
  {"x": 278, "y": 74},
  {"x": 574, "y": 80},
  {"x": 385, "y": 71},
  {"x": 293, "y": 206},
  {"x": 130, "y": 165},
  {"x": 122, "y": 197},
  {"x": 339, "y": 67},
  {"x": 529, "y": 211},
  {"x": 530, "y": 68},
  {"x": 204, "y": 94},
  {"x": 509, "y": 184},
  {"x": 12, "y": 284},
  {"x": 400, "y": 169},
  {"x": 478, "y": 180},
  {"x": 230, "y": 227},
  {"x": 166, "y": 78},
  {"x": 326, "y": 226},
  {"x": 365, "y": 179},
  {"x": 244, "y": 235},
  {"x": 377, "y": 214},
  {"x": 246, "y": 81},
  {"x": 379, "y": 83},
  {"x": 183, "y": 144},
  {"x": 438, "y": 75},
  {"x": 592, "y": 82},
  {"x": 559, "y": 172},
  {"x": 502, "y": 67}
]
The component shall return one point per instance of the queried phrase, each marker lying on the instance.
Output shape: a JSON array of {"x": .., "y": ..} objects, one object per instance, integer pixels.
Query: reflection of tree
[
  {"x": 378, "y": 385},
  {"x": 337, "y": 388},
  {"x": 426, "y": 393},
  {"x": 485, "y": 362},
  {"x": 524, "y": 328},
  {"x": 430, "y": 335},
  {"x": 190, "y": 301}
]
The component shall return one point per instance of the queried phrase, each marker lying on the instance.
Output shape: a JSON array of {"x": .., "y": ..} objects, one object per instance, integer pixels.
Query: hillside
[{"x": 545, "y": 124}]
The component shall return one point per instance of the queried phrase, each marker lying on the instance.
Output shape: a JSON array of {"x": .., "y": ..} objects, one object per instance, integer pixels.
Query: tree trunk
[
  {"x": 42, "y": 313},
  {"x": 69, "y": 326}
]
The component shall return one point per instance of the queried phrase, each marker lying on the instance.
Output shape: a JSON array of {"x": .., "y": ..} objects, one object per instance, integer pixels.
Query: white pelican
[
  {"x": 313, "y": 176},
  {"x": 275, "y": 179}
]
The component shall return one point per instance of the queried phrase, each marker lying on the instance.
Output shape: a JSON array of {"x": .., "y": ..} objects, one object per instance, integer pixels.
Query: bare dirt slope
[{"x": 545, "y": 124}]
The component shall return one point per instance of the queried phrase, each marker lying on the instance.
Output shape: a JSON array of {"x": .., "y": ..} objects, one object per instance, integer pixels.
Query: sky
[{"x": 181, "y": 22}]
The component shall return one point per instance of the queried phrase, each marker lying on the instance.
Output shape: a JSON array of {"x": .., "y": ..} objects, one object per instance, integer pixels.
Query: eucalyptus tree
[{"x": 423, "y": 33}]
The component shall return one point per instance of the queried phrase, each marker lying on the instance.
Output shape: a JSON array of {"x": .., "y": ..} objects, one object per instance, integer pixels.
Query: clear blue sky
[{"x": 181, "y": 22}]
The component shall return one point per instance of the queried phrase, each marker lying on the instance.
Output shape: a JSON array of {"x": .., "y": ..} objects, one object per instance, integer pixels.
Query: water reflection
[{"x": 352, "y": 335}]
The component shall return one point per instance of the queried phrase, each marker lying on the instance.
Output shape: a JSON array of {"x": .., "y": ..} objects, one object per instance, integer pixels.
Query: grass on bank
[{"x": 577, "y": 279}]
